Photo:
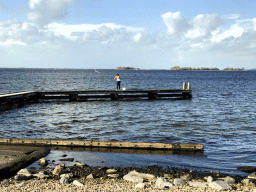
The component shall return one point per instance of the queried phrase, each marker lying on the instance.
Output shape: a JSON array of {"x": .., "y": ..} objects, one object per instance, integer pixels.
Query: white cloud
[
  {"x": 137, "y": 37},
  {"x": 175, "y": 22},
  {"x": 200, "y": 26},
  {"x": 46, "y": 11},
  {"x": 254, "y": 23},
  {"x": 34, "y": 3},
  {"x": 103, "y": 33},
  {"x": 231, "y": 16},
  {"x": 235, "y": 31},
  {"x": 87, "y": 31},
  {"x": 145, "y": 39},
  {"x": 203, "y": 25}
]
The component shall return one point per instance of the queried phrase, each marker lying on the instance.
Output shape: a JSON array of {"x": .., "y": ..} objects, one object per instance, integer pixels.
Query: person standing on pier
[{"x": 118, "y": 81}]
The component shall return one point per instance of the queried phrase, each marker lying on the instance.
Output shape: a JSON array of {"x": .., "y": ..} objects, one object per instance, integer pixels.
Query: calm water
[{"x": 221, "y": 114}]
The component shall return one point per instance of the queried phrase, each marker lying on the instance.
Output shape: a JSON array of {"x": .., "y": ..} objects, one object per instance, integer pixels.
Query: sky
[{"x": 146, "y": 34}]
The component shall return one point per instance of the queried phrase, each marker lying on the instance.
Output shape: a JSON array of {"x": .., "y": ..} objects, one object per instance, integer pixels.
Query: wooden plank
[
  {"x": 18, "y": 97},
  {"x": 109, "y": 96},
  {"x": 27, "y": 93},
  {"x": 130, "y": 151},
  {"x": 107, "y": 144},
  {"x": 67, "y": 92}
]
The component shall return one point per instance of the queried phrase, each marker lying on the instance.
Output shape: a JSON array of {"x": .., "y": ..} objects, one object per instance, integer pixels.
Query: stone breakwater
[{"x": 82, "y": 177}]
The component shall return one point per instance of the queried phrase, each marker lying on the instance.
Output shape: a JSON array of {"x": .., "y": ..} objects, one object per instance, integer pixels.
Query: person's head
[{"x": 117, "y": 75}]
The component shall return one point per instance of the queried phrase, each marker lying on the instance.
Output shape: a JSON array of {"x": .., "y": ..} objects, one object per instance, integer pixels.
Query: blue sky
[{"x": 146, "y": 34}]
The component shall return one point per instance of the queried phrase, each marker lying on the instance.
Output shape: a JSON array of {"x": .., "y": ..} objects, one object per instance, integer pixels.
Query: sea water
[{"x": 221, "y": 115}]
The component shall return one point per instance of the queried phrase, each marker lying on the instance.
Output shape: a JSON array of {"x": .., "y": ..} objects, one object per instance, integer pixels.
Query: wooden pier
[
  {"x": 22, "y": 98},
  {"x": 19, "y": 99}
]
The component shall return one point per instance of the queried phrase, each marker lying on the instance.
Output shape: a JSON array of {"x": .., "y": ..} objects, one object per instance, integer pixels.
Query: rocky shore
[{"x": 81, "y": 177}]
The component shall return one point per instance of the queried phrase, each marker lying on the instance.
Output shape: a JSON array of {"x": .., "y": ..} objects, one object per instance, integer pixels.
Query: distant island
[
  {"x": 233, "y": 69},
  {"x": 205, "y": 69},
  {"x": 129, "y": 68}
]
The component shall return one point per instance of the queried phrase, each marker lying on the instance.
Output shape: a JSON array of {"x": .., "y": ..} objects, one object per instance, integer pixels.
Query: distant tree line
[
  {"x": 205, "y": 69},
  {"x": 193, "y": 69},
  {"x": 132, "y": 68},
  {"x": 233, "y": 69}
]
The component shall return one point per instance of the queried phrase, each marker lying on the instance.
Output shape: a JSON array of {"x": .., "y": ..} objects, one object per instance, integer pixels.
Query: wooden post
[
  {"x": 189, "y": 86},
  {"x": 114, "y": 96},
  {"x": 184, "y": 86},
  {"x": 184, "y": 95},
  {"x": 73, "y": 97},
  {"x": 152, "y": 95}
]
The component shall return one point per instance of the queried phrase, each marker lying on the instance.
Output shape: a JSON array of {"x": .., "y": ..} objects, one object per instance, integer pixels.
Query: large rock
[
  {"x": 78, "y": 164},
  {"x": 22, "y": 177},
  {"x": 186, "y": 177},
  {"x": 246, "y": 181},
  {"x": 42, "y": 162},
  {"x": 91, "y": 176},
  {"x": 111, "y": 171},
  {"x": 144, "y": 176},
  {"x": 23, "y": 172},
  {"x": 179, "y": 181},
  {"x": 162, "y": 183},
  {"x": 209, "y": 179},
  {"x": 113, "y": 175},
  {"x": 229, "y": 180},
  {"x": 67, "y": 159},
  {"x": 40, "y": 175},
  {"x": 252, "y": 175},
  {"x": 64, "y": 181},
  {"x": 77, "y": 183},
  {"x": 57, "y": 170},
  {"x": 67, "y": 175},
  {"x": 133, "y": 178},
  {"x": 198, "y": 184},
  {"x": 220, "y": 185},
  {"x": 140, "y": 185}
]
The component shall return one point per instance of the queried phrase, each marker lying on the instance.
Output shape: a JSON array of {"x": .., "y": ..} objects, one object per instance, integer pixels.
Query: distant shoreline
[
  {"x": 128, "y": 68},
  {"x": 132, "y": 68},
  {"x": 205, "y": 69},
  {"x": 177, "y": 68}
]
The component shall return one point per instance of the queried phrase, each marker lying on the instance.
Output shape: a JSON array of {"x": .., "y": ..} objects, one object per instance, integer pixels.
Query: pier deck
[{"x": 22, "y": 98}]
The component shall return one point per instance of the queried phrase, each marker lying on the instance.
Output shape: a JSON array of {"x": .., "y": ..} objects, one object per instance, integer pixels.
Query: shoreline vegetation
[
  {"x": 128, "y": 68},
  {"x": 206, "y": 69}
]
